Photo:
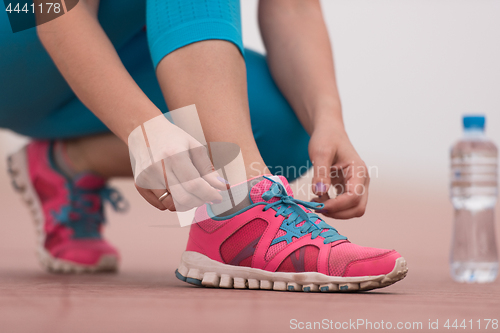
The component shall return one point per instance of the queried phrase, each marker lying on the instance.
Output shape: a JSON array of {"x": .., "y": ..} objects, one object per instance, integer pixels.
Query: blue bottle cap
[{"x": 474, "y": 122}]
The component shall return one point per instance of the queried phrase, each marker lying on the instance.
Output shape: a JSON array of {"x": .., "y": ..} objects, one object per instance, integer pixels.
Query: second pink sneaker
[
  {"x": 278, "y": 243},
  {"x": 68, "y": 213}
]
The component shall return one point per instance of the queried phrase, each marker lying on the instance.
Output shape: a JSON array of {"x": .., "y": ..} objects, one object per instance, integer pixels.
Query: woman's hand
[
  {"x": 337, "y": 164},
  {"x": 182, "y": 163}
]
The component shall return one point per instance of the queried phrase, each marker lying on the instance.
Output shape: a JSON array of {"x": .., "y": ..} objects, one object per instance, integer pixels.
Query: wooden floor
[{"x": 145, "y": 296}]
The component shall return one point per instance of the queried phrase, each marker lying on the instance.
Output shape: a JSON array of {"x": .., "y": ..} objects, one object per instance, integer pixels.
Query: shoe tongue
[
  {"x": 89, "y": 181},
  {"x": 264, "y": 185}
]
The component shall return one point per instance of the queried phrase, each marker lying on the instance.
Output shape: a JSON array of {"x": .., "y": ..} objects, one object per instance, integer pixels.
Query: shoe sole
[
  {"x": 198, "y": 269},
  {"x": 18, "y": 172}
]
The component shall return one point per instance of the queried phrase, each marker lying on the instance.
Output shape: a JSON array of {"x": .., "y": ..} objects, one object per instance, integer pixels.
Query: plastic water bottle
[{"x": 473, "y": 193}]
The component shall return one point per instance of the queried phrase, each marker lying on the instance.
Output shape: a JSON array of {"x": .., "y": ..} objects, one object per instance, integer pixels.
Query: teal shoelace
[
  {"x": 289, "y": 207},
  {"x": 84, "y": 213}
]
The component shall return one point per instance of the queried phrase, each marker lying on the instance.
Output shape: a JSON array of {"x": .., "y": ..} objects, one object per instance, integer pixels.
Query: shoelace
[
  {"x": 289, "y": 207},
  {"x": 81, "y": 208}
]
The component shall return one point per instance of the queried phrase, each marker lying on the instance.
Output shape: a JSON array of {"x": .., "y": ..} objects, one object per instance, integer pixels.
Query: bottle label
[
  {"x": 471, "y": 170},
  {"x": 475, "y": 159}
]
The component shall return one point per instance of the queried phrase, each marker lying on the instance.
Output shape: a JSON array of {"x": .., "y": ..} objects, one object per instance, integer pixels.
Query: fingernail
[
  {"x": 320, "y": 187},
  {"x": 223, "y": 180}
]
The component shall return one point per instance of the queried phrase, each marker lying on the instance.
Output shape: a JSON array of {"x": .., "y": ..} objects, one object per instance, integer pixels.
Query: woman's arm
[
  {"x": 88, "y": 61},
  {"x": 300, "y": 59},
  {"x": 90, "y": 64},
  {"x": 301, "y": 62}
]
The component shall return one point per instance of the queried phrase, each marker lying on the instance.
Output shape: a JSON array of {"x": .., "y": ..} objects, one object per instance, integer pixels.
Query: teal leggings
[{"x": 36, "y": 101}]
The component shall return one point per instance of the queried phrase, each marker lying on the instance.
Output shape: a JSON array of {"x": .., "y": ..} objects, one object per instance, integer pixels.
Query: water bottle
[{"x": 473, "y": 193}]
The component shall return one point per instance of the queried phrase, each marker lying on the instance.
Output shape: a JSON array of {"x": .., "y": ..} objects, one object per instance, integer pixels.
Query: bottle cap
[{"x": 474, "y": 122}]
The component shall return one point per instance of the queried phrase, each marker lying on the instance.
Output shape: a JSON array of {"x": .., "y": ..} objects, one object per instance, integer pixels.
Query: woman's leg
[
  {"x": 208, "y": 69},
  {"x": 104, "y": 154},
  {"x": 212, "y": 75}
]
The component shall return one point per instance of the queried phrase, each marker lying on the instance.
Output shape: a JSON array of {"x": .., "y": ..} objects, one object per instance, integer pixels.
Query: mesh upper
[
  {"x": 304, "y": 259},
  {"x": 246, "y": 262},
  {"x": 274, "y": 249},
  {"x": 256, "y": 194},
  {"x": 240, "y": 246},
  {"x": 344, "y": 253}
]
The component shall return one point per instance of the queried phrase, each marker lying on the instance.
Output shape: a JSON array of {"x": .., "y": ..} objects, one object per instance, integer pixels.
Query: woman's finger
[
  {"x": 182, "y": 199},
  {"x": 354, "y": 192},
  {"x": 352, "y": 202},
  {"x": 338, "y": 182},
  {"x": 322, "y": 163},
  {"x": 204, "y": 166},
  {"x": 167, "y": 201},
  {"x": 357, "y": 211},
  {"x": 341, "y": 203},
  {"x": 151, "y": 198},
  {"x": 216, "y": 181},
  {"x": 181, "y": 167}
]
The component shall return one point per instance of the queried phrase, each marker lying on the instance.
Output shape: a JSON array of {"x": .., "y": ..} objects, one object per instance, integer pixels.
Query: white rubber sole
[
  {"x": 18, "y": 172},
  {"x": 198, "y": 269}
]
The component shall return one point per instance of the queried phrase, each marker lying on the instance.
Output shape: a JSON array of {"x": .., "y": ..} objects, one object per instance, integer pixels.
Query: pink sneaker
[
  {"x": 68, "y": 213},
  {"x": 277, "y": 243}
]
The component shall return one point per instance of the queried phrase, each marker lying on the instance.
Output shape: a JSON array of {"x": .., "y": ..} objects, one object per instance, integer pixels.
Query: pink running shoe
[
  {"x": 68, "y": 213},
  {"x": 278, "y": 243}
]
